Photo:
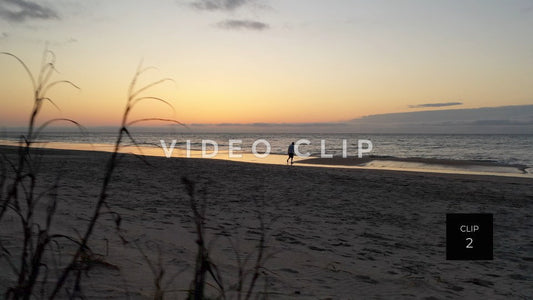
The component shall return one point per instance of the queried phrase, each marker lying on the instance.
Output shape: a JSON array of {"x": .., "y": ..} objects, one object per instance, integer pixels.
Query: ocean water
[{"x": 501, "y": 149}]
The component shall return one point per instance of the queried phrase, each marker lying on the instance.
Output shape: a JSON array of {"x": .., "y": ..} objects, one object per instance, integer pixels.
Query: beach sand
[
  {"x": 332, "y": 233},
  {"x": 418, "y": 164}
]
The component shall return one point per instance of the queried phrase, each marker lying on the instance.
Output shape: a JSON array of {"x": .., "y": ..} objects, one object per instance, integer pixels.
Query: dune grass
[
  {"x": 19, "y": 193},
  {"x": 19, "y": 179}
]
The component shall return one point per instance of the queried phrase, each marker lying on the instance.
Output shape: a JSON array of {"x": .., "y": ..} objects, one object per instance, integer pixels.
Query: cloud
[
  {"x": 515, "y": 112},
  {"x": 22, "y": 10},
  {"x": 229, "y": 6},
  {"x": 435, "y": 104},
  {"x": 242, "y": 24},
  {"x": 486, "y": 120},
  {"x": 501, "y": 123},
  {"x": 218, "y": 4}
]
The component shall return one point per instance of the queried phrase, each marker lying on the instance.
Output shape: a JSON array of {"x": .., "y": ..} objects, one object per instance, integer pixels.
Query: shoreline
[
  {"x": 430, "y": 165},
  {"x": 333, "y": 232},
  {"x": 423, "y": 165}
]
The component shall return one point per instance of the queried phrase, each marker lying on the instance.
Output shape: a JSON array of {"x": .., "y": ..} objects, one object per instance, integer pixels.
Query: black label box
[{"x": 469, "y": 237}]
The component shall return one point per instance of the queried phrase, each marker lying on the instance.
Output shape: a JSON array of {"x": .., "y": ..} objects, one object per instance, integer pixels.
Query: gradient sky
[{"x": 275, "y": 61}]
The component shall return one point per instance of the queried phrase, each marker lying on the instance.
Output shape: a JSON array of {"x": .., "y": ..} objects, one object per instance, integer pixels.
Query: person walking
[{"x": 291, "y": 153}]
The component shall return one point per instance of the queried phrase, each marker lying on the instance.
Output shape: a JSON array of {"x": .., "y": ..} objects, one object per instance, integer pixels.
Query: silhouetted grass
[
  {"x": 247, "y": 276},
  {"x": 21, "y": 196},
  {"x": 134, "y": 97}
]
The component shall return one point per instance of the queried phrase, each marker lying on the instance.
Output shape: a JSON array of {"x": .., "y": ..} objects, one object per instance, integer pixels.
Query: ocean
[{"x": 500, "y": 149}]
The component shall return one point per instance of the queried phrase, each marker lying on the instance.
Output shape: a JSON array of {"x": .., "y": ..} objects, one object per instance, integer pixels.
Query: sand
[
  {"x": 428, "y": 165},
  {"x": 332, "y": 233}
]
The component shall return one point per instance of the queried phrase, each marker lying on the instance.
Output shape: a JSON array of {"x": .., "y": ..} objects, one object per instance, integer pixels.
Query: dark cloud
[
  {"x": 4, "y": 35},
  {"x": 500, "y": 123},
  {"x": 515, "y": 112},
  {"x": 242, "y": 24},
  {"x": 435, "y": 104},
  {"x": 218, "y": 4},
  {"x": 485, "y": 120},
  {"x": 22, "y": 10}
]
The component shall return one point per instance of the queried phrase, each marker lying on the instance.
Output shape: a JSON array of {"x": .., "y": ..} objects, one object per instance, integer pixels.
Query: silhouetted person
[{"x": 291, "y": 153}]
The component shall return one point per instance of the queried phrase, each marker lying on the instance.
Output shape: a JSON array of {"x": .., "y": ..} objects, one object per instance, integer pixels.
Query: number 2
[{"x": 469, "y": 246}]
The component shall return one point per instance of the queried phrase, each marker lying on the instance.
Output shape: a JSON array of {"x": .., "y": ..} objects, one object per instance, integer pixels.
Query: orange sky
[{"x": 319, "y": 64}]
